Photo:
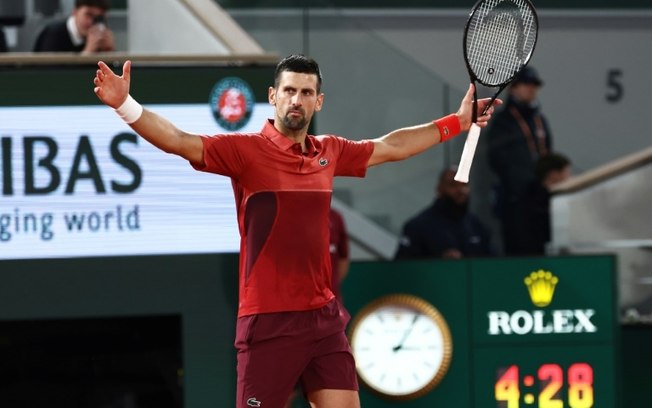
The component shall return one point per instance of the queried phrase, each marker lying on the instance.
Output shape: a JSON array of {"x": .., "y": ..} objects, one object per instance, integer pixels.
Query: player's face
[
  {"x": 296, "y": 99},
  {"x": 84, "y": 16}
]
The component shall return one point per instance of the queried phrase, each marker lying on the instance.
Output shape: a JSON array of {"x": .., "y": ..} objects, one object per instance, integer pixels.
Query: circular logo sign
[{"x": 232, "y": 102}]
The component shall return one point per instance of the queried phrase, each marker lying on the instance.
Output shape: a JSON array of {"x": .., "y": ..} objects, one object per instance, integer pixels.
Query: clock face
[{"x": 402, "y": 346}]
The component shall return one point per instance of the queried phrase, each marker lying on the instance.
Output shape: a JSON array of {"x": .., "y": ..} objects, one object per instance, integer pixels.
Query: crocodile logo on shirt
[
  {"x": 323, "y": 162},
  {"x": 253, "y": 402}
]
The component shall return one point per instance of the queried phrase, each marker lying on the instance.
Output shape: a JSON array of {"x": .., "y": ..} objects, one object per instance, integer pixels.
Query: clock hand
[{"x": 406, "y": 334}]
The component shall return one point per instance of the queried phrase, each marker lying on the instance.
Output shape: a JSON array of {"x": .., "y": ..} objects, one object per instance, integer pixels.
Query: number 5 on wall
[{"x": 615, "y": 86}]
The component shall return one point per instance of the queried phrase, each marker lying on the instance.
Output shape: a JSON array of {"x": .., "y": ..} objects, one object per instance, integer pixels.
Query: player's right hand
[
  {"x": 110, "y": 88},
  {"x": 464, "y": 114}
]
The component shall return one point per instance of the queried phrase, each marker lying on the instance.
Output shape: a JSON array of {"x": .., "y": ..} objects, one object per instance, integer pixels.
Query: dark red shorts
[{"x": 276, "y": 351}]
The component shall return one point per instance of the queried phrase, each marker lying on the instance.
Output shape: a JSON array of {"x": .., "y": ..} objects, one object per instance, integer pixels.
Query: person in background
[
  {"x": 339, "y": 249},
  {"x": 446, "y": 229},
  {"x": 518, "y": 136},
  {"x": 85, "y": 31},
  {"x": 550, "y": 169},
  {"x": 3, "y": 41}
]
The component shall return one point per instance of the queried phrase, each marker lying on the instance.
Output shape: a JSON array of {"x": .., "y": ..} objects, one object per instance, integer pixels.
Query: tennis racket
[{"x": 499, "y": 39}]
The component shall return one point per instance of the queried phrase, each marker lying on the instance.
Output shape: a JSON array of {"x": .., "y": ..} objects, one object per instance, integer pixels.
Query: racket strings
[
  {"x": 500, "y": 40},
  {"x": 495, "y": 47},
  {"x": 501, "y": 55},
  {"x": 490, "y": 56}
]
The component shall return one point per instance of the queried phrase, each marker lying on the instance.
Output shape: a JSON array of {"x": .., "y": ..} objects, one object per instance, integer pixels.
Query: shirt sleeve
[
  {"x": 222, "y": 155},
  {"x": 354, "y": 157}
]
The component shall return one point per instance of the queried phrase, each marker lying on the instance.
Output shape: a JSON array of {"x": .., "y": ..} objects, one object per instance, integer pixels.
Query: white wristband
[{"x": 130, "y": 110}]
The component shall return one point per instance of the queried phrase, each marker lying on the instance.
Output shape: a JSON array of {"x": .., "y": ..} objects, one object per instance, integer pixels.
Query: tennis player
[{"x": 290, "y": 329}]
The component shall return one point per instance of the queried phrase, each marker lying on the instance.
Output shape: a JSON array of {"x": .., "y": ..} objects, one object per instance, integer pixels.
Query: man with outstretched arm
[{"x": 290, "y": 329}]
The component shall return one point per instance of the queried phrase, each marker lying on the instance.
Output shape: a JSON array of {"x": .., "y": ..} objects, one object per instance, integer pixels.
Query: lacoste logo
[
  {"x": 253, "y": 402},
  {"x": 323, "y": 162}
]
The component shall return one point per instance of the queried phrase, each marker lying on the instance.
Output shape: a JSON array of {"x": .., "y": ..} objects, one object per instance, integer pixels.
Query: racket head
[{"x": 499, "y": 39}]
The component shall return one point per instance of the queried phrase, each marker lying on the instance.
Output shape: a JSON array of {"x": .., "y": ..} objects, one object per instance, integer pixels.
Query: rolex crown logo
[{"x": 541, "y": 286}]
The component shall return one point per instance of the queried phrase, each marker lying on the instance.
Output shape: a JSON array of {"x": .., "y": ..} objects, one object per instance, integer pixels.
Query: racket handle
[{"x": 466, "y": 160}]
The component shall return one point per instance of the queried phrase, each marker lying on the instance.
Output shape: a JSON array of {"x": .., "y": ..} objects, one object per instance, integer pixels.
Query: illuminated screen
[{"x": 77, "y": 181}]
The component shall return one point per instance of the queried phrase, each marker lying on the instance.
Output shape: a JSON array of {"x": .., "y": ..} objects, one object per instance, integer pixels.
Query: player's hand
[
  {"x": 111, "y": 88},
  {"x": 466, "y": 108}
]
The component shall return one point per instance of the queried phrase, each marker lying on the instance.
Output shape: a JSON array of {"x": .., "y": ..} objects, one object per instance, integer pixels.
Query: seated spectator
[
  {"x": 549, "y": 170},
  {"x": 446, "y": 229},
  {"x": 85, "y": 31}
]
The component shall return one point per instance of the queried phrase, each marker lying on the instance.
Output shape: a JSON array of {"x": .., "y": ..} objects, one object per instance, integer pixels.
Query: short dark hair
[
  {"x": 103, "y": 4},
  {"x": 550, "y": 162},
  {"x": 445, "y": 172},
  {"x": 298, "y": 63}
]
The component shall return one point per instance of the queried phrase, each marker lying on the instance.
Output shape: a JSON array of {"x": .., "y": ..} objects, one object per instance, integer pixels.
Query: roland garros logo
[{"x": 232, "y": 102}]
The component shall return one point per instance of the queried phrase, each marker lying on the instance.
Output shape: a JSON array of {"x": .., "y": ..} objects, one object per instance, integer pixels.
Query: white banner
[{"x": 76, "y": 181}]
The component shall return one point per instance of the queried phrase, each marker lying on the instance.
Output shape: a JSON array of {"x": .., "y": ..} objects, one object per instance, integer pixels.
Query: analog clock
[{"x": 402, "y": 346}]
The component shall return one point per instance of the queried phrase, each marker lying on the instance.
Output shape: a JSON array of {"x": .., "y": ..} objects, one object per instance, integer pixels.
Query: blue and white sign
[{"x": 76, "y": 181}]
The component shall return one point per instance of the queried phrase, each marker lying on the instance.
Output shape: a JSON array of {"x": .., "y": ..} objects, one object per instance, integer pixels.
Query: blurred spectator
[
  {"x": 85, "y": 31},
  {"x": 517, "y": 137},
  {"x": 339, "y": 249},
  {"x": 3, "y": 41},
  {"x": 446, "y": 229},
  {"x": 550, "y": 169}
]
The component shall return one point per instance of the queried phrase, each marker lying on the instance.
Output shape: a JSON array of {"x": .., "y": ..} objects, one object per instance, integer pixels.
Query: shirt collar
[
  {"x": 285, "y": 143},
  {"x": 76, "y": 38}
]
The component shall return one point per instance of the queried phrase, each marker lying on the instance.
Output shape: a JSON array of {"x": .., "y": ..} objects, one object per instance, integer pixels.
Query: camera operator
[{"x": 85, "y": 31}]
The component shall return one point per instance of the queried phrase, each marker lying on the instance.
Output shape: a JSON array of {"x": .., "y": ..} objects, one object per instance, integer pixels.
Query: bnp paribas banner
[{"x": 77, "y": 181}]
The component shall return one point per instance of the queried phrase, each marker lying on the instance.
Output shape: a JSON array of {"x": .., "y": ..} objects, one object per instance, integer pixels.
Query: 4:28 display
[{"x": 511, "y": 385}]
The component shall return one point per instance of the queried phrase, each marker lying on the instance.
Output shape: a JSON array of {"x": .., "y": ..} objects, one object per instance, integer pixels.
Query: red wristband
[{"x": 449, "y": 127}]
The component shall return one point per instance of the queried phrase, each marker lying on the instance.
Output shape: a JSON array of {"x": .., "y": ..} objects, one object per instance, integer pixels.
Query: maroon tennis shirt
[{"x": 283, "y": 198}]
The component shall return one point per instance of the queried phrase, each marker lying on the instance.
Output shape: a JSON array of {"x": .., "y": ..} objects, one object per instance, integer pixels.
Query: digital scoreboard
[{"x": 545, "y": 377}]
